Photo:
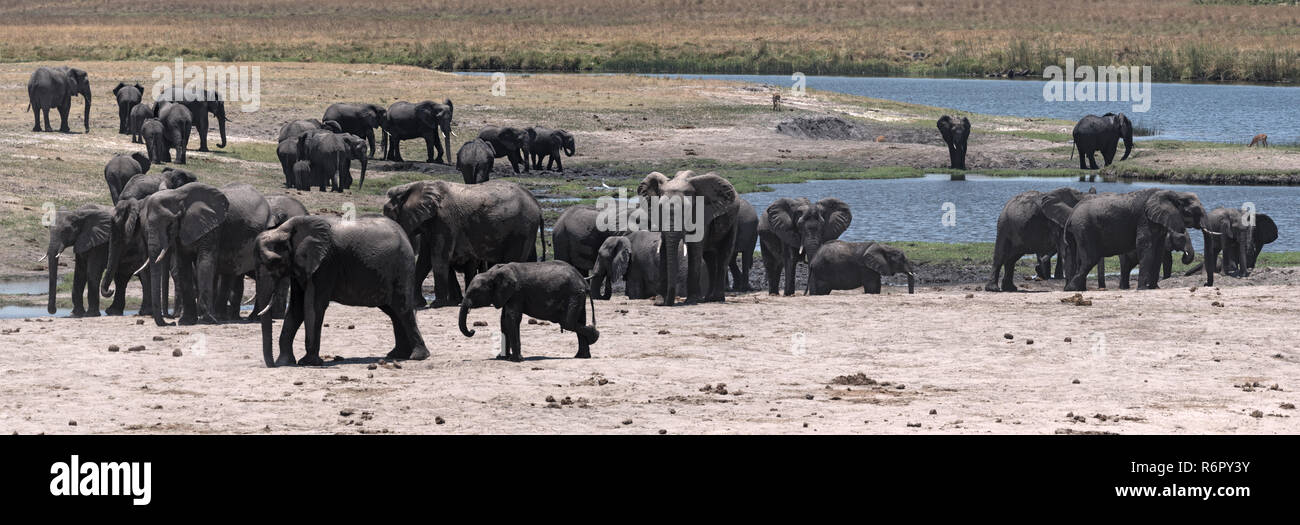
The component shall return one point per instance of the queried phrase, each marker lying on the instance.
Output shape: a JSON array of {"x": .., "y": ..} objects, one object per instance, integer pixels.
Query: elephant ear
[
  {"x": 332, "y": 125},
  {"x": 95, "y": 229},
  {"x": 310, "y": 242},
  {"x": 876, "y": 258},
  {"x": 719, "y": 195},
  {"x": 965, "y": 125},
  {"x": 837, "y": 215},
  {"x": 1265, "y": 229},
  {"x": 504, "y": 285},
  {"x": 652, "y": 185},
  {"x": 205, "y": 210},
  {"x": 143, "y": 160},
  {"x": 622, "y": 257},
  {"x": 945, "y": 127},
  {"x": 1162, "y": 208},
  {"x": 119, "y": 87},
  {"x": 419, "y": 204},
  {"x": 128, "y": 212},
  {"x": 1054, "y": 207},
  {"x": 780, "y": 219},
  {"x": 139, "y": 88}
]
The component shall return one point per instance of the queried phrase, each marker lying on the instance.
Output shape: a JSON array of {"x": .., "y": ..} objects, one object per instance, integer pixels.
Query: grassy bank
[
  {"x": 981, "y": 254},
  {"x": 1179, "y": 39},
  {"x": 1202, "y": 175}
]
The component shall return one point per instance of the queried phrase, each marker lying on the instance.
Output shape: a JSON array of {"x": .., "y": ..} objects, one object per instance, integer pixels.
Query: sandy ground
[{"x": 1161, "y": 361}]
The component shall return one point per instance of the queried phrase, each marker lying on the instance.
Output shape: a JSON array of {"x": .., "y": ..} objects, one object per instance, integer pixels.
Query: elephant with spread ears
[
  {"x": 428, "y": 120},
  {"x": 955, "y": 132},
  {"x": 1031, "y": 223},
  {"x": 841, "y": 265},
  {"x": 363, "y": 262},
  {"x": 87, "y": 229},
  {"x": 200, "y": 103},
  {"x": 53, "y": 88},
  {"x": 701, "y": 211},
  {"x": 791, "y": 231},
  {"x": 1134, "y": 223},
  {"x": 1093, "y": 134}
]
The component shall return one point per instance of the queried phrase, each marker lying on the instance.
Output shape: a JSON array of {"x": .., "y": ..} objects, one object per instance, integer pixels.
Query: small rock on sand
[
  {"x": 438, "y": 420},
  {"x": 177, "y": 353},
  {"x": 113, "y": 348},
  {"x": 1074, "y": 381},
  {"x": 136, "y": 348},
  {"x": 1008, "y": 336}
]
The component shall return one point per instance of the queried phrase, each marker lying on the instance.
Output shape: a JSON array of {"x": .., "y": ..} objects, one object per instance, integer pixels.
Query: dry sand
[{"x": 1160, "y": 361}]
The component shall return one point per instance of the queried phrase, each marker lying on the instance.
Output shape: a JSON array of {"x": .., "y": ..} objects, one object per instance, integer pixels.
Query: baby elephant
[
  {"x": 841, "y": 265},
  {"x": 634, "y": 257},
  {"x": 551, "y": 291}
]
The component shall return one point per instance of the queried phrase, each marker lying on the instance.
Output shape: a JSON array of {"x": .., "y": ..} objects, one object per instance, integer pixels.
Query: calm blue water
[
  {"x": 1204, "y": 112},
  {"x": 911, "y": 209}
]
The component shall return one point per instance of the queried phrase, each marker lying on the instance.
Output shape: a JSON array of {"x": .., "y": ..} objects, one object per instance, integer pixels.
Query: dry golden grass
[{"x": 1178, "y": 37}]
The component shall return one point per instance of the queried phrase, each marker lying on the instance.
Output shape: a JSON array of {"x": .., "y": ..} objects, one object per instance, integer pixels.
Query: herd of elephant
[{"x": 1092, "y": 135}]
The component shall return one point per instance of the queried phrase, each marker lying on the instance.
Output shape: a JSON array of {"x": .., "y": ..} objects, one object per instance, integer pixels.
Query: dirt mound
[{"x": 824, "y": 127}]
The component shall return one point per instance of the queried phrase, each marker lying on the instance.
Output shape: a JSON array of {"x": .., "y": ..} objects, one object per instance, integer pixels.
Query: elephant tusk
[
  {"x": 249, "y": 300},
  {"x": 142, "y": 267},
  {"x": 264, "y": 310},
  {"x": 161, "y": 254},
  {"x": 1216, "y": 234},
  {"x": 42, "y": 259},
  {"x": 453, "y": 133}
]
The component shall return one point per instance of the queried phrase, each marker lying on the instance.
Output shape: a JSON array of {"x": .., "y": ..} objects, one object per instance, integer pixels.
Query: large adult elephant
[
  {"x": 487, "y": 224},
  {"x": 126, "y": 247},
  {"x": 121, "y": 168},
  {"x": 177, "y": 120},
  {"x": 283, "y": 208},
  {"x": 200, "y": 103},
  {"x": 1031, "y": 223},
  {"x": 547, "y": 143},
  {"x": 210, "y": 232},
  {"x": 358, "y": 119},
  {"x": 128, "y": 97},
  {"x": 634, "y": 258},
  {"x": 53, "y": 88},
  {"x": 792, "y": 230},
  {"x": 428, "y": 120},
  {"x": 841, "y": 265},
  {"x": 363, "y": 262},
  {"x": 709, "y": 233},
  {"x": 955, "y": 133},
  {"x": 330, "y": 155},
  {"x": 474, "y": 161},
  {"x": 508, "y": 142},
  {"x": 746, "y": 239},
  {"x": 1133, "y": 223},
  {"x": 577, "y": 237},
  {"x": 1103, "y": 133},
  {"x": 87, "y": 229}
]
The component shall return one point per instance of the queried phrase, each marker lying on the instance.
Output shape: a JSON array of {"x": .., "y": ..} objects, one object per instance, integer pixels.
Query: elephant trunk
[
  {"x": 115, "y": 247},
  {"x": 1128, "y": 143},
  {"x": 221, "y": 125},
  {"x": 464, "y": 314},
  {"x": 669, "y": 253},
  {"x": 810, "y": 247},
  {"x": 569, "y": 150},
  {"x": 265, "y": 318},
  {"x": 362, "y": 181},
  {"x": 446, "y": 134},
  {"x": 86, "y": 114},
  {"x": 53, "y": 256}
]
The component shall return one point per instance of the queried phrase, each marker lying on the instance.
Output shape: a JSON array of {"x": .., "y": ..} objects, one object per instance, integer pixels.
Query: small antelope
[
  {"x": 776, "y": 102},
  {"x": 1260, "y": 139}
]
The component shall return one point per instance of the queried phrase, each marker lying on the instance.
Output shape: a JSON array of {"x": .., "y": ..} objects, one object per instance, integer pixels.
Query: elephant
[
  {"x": 1171, "y": 241},
  {"x": 54, "y": 87},
  {"x": 139, "y": 113},
  {"x": 1132, "y": 223},
  {"x": 87, "y": 230},
  {"x": 200, "y": 103},
  {"x": 210, "y": 232},
  {"x": 128, "y": 97},
  {"x": 841, "y": 265},
  {"x": 154, "y": 136},
  {"x": 1031, "y": 222},
  {"x": 792, "y": 230},
  {"x": 330, "y": 155},
  {"x": 577, "y": 238},
  {"x": 508, "y": 142},
  {"x": 126, "y": 247},
  {"x": 1236, "y": 239},
  {"x": 1094, "y": 133},
  {"x": 283, "y": 208},
  {"x": 700, "y": 210},
  {"x": 176, "y": 120},
  {"x": 474, "y": 161},
  {"x": 1264, "y": 232},
  {"x": 550, "y": 291},
  {"x": 294, "y": 129},
  {"x": 746, "y": 239},
  {"x": 301, "y": 175},
  {"x": 634, "y": 257},
  {"x": 428, "y": 120},
  {"x": 546, "y": 143},
  {"x": 362, "y": 262},
  {"x": 358, "y": 119},
  {"x": 121, "y": 168},
  {"x": 955, "y": 134},
  {"x": 479, "y": 224}
]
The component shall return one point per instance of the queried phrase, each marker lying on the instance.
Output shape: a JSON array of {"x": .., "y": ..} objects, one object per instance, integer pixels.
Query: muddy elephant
[
  {"x": 955, "y": 132},
  {"x": 53, "y": 88},
  {"x": 331, "y": 155},
  {"x": 357, "y": 119},
  {"x": 428, "y": 120},
  {"x": 1130, "y": 223},
  {"x": 508, "y": 142},
  {"x": 546, "y": 144},
  {"x": 634, "y": 258},
  {"x": 791, "y": 231},
  {"x": 474, "y": 161},
  {"x": 121, "y": 168},
  {"x": 1031, "y": 223},
  {"x": 88, "y": 230},
  {"x": 576, "y": 239},
  {"x": 139, "y": 114},
  {"x": 477, "y": 224},
  {"x": 176, "y": 121},
  {"x": 742, "y": 260},
  {"x": 1093, "y": 134},
  {"x": 551, "y": 291},
  {"x": 200, "y": 104},
  {"x": 841, "y": 265},
  {"x": 128, "y": 97},
  {"x": 701, "y": 211},
  {"x": 362, "y": 262}
]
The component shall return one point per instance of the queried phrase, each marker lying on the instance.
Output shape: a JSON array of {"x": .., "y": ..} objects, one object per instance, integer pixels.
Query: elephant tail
[
  {"x": 1073, "y": 146},
  {"x": 591, "y": 299},
  {"x": 29, "y": 107},
  {"x": 541, "y": 232}
]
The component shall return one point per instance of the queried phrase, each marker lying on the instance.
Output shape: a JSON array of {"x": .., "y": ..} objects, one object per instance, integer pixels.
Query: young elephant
[
  {"x": 154, "y": 136},
  {"x": 474, "y": 161},
  {"x": 301, "y": 175},
  {"x": 550, "y": 291},
  {"x": 841, "y": 265},
  {"x": 87, "y": 230},
  {"x": 121, "y": 168},
  {"x": 634, "y": 257},
  {"x": 792, "y": 230},
  {"x": 1173, "y": 241},
  {"x": 139, "y": 113},
  {"x": 363, "y": 262}
]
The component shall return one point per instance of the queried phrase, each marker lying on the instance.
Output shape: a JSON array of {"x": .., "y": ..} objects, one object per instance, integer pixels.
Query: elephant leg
[
  {"x": 36, "y": 117},
  {"x": 788, "y": 269},
  {"x": 78, "y": 286},
  {"x": 747, "y": 264},
  {"x": 694, "y": 263},
  {"x": 1211, "y": 257},
  {"x": 401, "y": 345},
  {"x": 186, "y": 292},
  {"x": 1126, "y": 268},
  {"x": 510, "y": 318},
  {"x": 64, "y": 109},
  {"x": 433, "y": 149},
  {"x": 279, "y": 299},
  {"x": 772, "y": 267},
  {"x": 717, "y": 276},
  {"x": 46, "y": 113},
  {"x": 220, "y": 297},
  {"x": 201, "y": 122},
  {"x": 1166, "y": 265},
  {"x": 118, "y": 306},
  {"x": 315, "y": 301},
  {"x": 237, "y": 297},
  {"x": 736, "y": 277},
  {"x": 205, "y": 281},
  {"x": 1009, "y": 271},
  {"x": 1092, "y": 161},
  {"x": 441, "y": 293},
  {"x": 289, "y": 329},
  {"x": 559, "y": 164},
  {"x": 668, "y": 288},
  {"x": 95, "y": 272}
]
